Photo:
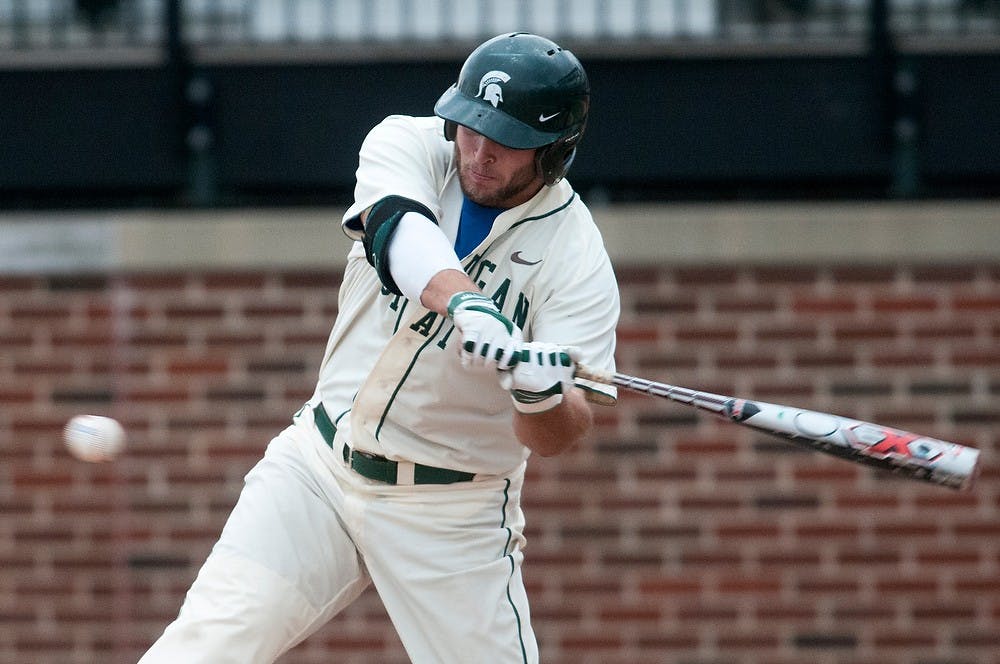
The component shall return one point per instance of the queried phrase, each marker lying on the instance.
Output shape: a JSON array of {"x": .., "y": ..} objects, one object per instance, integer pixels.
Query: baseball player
[{"x": 476, "y": 282}]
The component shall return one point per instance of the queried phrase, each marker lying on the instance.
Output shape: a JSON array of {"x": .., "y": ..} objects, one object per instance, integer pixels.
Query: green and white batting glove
[
  {"x": 489, "y": 339},
  {"x": 543, "y": 374}
]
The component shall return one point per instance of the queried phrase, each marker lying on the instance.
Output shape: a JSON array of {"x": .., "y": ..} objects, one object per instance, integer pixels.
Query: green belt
[{"x": 378, "y": 467}]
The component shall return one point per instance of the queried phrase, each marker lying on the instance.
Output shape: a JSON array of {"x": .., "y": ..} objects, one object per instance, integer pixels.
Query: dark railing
[
  {"x": 110, "y": 24},
  {"x": 211, "y": 102}
]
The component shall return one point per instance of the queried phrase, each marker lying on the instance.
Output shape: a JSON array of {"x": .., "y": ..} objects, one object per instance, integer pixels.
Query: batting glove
[
  {"x": 544, "y": 373},
  {"x": 489, "y": 339}
]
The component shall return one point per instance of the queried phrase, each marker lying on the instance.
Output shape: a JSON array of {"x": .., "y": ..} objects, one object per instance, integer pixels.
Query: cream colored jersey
[{"x": 392, "y": 377}]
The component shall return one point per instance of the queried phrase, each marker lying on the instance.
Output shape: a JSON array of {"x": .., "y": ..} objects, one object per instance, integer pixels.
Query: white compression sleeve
[{"x": 417, "y": 251}]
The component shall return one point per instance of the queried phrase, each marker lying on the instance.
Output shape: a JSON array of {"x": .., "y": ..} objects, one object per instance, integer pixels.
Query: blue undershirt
[{"x": 474, "y": 225}]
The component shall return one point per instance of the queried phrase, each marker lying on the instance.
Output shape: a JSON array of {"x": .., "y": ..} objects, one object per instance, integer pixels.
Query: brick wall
[{"x": 667, "y": 537}]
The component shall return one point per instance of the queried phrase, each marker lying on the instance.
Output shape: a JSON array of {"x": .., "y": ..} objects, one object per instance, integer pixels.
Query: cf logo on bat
[{"x": 884, "y": 440}]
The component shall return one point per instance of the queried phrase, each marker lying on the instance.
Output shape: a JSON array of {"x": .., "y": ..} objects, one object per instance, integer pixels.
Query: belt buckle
[{"x": 349, "y": 456}]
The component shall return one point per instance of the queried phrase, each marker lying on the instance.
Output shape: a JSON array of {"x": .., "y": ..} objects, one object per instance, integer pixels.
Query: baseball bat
[{"x": 901, "y": 452}]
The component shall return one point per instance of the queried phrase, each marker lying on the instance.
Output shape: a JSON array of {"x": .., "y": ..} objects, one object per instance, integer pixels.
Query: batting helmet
[{"x": 522, "y": 91}]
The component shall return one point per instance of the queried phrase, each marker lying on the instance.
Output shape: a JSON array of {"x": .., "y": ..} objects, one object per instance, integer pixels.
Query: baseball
[{"x": 94, "y": 438}]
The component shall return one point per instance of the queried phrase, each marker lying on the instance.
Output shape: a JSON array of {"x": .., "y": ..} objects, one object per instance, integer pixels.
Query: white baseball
[{"x": 94, "y": 438}]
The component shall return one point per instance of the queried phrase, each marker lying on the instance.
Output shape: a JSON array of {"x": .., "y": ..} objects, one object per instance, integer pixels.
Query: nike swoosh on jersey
[
  {"x": 545, "y": 118},
  {"x": 516, "y": 258}
]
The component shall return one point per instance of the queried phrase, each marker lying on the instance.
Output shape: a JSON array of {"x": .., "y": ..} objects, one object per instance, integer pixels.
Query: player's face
[{"x": 492, "y": 174}]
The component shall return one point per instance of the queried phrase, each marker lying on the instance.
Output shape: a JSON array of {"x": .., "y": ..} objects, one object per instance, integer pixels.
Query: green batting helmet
[{"x": 522, "y": 91}]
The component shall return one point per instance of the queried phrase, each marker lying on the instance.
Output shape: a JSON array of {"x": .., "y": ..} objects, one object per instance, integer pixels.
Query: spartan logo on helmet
[{"x": 489, "y": 87}]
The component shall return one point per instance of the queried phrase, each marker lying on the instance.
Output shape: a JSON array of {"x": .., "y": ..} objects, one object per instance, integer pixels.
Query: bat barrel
[
  {"x": 900, "y": 452},
  {"x": 959, "y": 467}
]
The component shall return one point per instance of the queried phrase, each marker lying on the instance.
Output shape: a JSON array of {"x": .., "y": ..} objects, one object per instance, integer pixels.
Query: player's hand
[
  {"x": 489, "y": 339},
  {"x": 543, "y": 374}
]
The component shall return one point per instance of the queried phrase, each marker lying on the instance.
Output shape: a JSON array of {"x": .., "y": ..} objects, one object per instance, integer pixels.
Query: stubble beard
[{"x": 521, "y": 187}]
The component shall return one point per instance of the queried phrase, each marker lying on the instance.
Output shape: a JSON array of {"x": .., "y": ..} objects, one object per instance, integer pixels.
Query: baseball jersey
[{"x": 392, "y": 378}]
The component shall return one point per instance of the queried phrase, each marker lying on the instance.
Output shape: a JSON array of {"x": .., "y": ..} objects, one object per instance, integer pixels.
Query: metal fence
[{"x": 31, "y": 25}]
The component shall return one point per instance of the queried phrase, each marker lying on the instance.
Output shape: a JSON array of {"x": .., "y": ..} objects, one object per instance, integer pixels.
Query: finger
[
  {"x": 507, "y": 356},
  {"x": 506, "y": 380},
  {"x": 467, "y": 351}
]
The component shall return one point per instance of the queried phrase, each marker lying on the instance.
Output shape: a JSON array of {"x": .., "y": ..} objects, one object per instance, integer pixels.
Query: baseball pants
[{"x": 308, "y": 535}]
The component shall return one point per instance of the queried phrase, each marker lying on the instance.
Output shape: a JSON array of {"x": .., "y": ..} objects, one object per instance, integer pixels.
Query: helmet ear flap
[{"x": 555, "y": 159}]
